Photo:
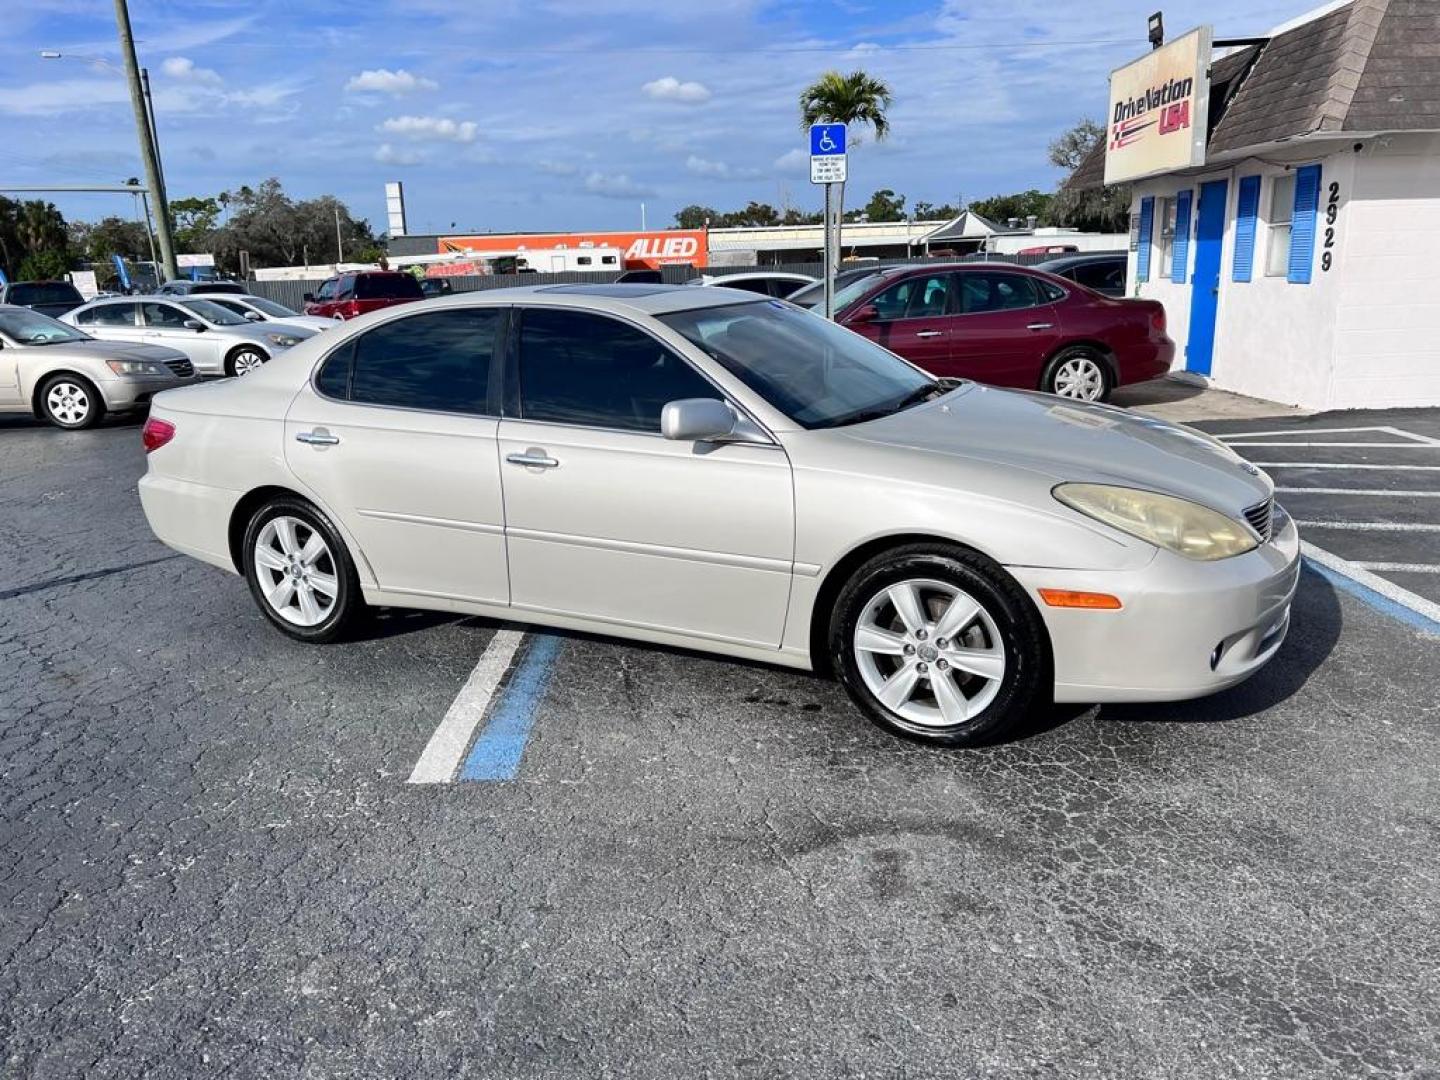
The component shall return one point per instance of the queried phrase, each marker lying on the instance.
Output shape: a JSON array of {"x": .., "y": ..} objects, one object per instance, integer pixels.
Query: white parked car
[
  {"x": 778, "y": 283},
  {"x": 703, "y": 468},
  {"x": 217, "y": 341},
  {"x": 262, "y": 309}
]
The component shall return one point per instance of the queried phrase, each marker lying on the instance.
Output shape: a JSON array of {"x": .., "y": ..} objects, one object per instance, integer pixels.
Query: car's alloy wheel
[
  {"x": 929, "y": 652},
  {"x": 70, "y": 403},
  {"x": 939, "y": 644},
  {"x": 300, "y": 573},
  {"x": 1079, "y": 376},
  {"x": 244, "y": 361}
]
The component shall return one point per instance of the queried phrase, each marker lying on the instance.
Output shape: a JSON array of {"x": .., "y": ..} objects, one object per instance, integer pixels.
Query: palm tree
[{"x": 854, "y": 100}]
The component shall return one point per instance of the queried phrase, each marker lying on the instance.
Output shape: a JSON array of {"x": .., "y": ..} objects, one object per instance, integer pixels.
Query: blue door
[{"x": 1205, "y": 285}]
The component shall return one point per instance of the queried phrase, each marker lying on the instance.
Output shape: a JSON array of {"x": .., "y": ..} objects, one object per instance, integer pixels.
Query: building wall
[{"x": 1363, "y": 334}]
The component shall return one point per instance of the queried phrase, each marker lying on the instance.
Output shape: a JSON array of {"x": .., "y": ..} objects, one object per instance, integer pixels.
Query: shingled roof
[{"x": 1370, "y": 65}]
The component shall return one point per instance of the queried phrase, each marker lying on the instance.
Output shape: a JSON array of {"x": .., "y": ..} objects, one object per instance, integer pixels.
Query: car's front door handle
[
  {"x": 534, "y": 459},
  {"x": 318, "y": 437},
  {"x": 928, "y": 333},
  {"x": 1039, "y": 326}
]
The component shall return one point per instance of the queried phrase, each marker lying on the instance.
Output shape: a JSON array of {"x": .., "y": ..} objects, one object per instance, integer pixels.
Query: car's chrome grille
[
  {"x": 1261, "y": 517},
  {"x": 183, "y": 368}
]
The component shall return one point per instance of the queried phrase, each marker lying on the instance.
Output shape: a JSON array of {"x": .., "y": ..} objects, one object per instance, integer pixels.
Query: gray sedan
[
  {"x": 72, "y": 380},
  {"x": 217, "y": 341}
]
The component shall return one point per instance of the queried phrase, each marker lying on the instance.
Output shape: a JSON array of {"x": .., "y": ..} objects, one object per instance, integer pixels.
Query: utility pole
[
  {"x": 339, "y": 244},
  {"x": 154, "y": 179}
]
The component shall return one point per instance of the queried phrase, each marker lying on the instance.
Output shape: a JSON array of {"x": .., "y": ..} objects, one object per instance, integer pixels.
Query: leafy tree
[
  {"x": 195, "y": 220},
  {"x": 47, "y": 265},
  {"x": 1075, "y": 145},
  {"x": 694, "y": 217},
  {"x": 277, "y": 231},
  {"x": 1000, "y": 208},
  {"x": 110, "y": 236},
  {"x": 856, "y": 100},
  {"x": 1095, "y": 208},
  {"x": 32, "y": 229},
  {"x": 885, "y": 205},
  {"x": 927, "y": 211}
]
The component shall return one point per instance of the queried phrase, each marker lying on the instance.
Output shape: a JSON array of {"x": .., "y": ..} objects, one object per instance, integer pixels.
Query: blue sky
[{"x": 563, "y": 114}]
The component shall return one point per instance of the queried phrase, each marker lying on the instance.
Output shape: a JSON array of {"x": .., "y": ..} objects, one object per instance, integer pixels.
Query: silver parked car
[
  {"x": 67, "y": 377},
  {"x": 261, "y": 309},
  {"x": 707, "y": 469},
  {"x": 779, "y": 283},
  {"x": 217, "y": 341}
]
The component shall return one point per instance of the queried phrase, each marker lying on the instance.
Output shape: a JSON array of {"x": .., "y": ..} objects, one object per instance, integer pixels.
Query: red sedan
[{"x": 1009, "y": 326}]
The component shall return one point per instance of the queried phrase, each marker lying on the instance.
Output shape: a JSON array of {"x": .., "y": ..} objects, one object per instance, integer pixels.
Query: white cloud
[
  {"x": 672, "y": 89},
  {"x": 386, "y": 154},
  {"x": 792, "y": 161},
  {"x": 615, "y": 186},
  {"x": 183, "y": 69},
  {"x": 720, "y": 170},
  {"x": 431, "y": 128},
  {"x": 384, "y": 81},
  {"x": 557, "y": 168}
]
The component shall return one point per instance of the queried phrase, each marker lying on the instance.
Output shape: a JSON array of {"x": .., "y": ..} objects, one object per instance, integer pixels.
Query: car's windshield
[
  {"x": 816, "y": 373},
  {"x": 212, "y": 312},
  {"x": 32, "y": 328},
  {"x": 811, "y": 296},
  {"x": 270, "y": 307}
]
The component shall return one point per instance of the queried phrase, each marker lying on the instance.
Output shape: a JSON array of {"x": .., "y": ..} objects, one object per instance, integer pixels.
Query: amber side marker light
[{"x": 1095, "y": 601}]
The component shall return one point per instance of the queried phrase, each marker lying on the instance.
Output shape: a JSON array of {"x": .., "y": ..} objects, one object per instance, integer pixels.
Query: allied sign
[
  {"x": 1159, "y": 110},
  {"x": 827, "y": 153}
]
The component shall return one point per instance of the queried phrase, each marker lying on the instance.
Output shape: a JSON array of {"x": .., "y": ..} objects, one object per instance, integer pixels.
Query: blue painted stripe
[
  {"x": 497, "y": 752},
  {"x": 1382, "y": 604}
]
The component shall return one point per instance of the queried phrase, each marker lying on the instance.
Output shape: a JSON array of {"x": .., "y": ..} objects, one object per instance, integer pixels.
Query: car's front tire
[
  {"x": 300, "y": 573},
  {"x": 70, "y": 402},
  {"x": 244, "y": 360},
  {"x": 939, "y": 644},
  {"x": 1079, "y": 373}
]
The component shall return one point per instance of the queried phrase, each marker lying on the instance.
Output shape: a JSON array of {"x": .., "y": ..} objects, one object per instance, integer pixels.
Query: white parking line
[
  {"x": 1359, "y": 445},
  {"x": 1400, "y": 567},
  {"x": 1419, "y": 612},
  {"x": 440, "y": 759},
  {"x": 1373, "y": 526},
  {"x": 1341, "y": 465},
  {"x": 1414, "y": 438},
  {"x": 1357, "y": 491}
]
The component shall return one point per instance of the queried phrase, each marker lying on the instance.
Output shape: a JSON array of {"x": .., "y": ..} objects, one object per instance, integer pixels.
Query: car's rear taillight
[
  {"x": 1157, "y": 319},
  {"x": 156, "y": 433},
  {"x": 353, "y": 308}
]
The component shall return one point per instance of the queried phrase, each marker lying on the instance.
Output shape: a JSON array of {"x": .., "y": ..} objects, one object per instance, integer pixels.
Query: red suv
[
  {"x": 1009, "y": 326},
  {"x": 349, "y": 295}
]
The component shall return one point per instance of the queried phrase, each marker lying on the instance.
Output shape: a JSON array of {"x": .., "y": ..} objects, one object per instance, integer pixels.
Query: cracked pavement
[{"x": 211, "y": 864}]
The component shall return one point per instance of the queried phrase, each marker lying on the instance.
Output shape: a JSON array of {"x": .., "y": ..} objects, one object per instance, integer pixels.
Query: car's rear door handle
[
  {"x": 318, "y": 437},
  {"x": 534, "y": 459},
  {"x": 928, "y": 333},
  {"x": 1039, "y": 326}
]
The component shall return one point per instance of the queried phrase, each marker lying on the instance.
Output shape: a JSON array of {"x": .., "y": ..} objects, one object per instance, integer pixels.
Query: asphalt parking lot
[{"x": 649, "y": 863}]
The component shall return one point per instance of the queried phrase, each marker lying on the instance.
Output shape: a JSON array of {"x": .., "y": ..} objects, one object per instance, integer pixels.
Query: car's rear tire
[
  {"x": 939, "y": 645},
  {"x": 300, "y": 573},
  {"x": 70, "y": 402},
  {"x": 1080, "y": 373},
  {"x": 244, "y": 360}
]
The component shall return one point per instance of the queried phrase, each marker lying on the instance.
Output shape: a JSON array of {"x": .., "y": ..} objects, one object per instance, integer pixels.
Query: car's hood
[
  {"x": 104, "y": 350},
  {"x": 1071, "y": 441},
  {"x": 308, "y": 322},
  {"x": 295, "y": 329}
]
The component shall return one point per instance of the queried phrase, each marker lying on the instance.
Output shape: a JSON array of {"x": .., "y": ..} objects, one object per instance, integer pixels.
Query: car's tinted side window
[
  {"x": 345, "y": 288},
  {"x": 579, "y": 368},
  {"x": 108, "y": 315},
  {"x": 982, "y": 291},
  {"x": 164, "y": 315},
  {"x": 440, "y": 360},
  {"x": 782, "y": 287},
  {"x": 1101, "y": 276},
  {"x": 920, "y": 297},
  {"x": 753, "y": 286},
  {"x": 326, "y": 290}
]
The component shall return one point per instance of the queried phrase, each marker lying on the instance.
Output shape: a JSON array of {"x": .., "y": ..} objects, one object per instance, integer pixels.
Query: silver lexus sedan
[
  {"x": 706, "y": 469},
  {"x": 66, "y": 377}
]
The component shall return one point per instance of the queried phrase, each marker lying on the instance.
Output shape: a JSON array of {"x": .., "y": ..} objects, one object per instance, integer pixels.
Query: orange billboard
[{"x": 642, "y": 250}]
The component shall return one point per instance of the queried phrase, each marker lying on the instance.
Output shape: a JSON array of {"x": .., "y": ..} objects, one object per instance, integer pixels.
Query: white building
[{"x": 1301, "y": 262}]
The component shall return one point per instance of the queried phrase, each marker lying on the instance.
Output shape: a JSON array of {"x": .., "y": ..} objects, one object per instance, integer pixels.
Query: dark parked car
[
  {"x": 348, "y": 295},
  {"x": 813, "y": 295},
  {"x": 53, "y": 298},
  {"x": 186, "y": 287},
  {"x": 436, "y": 286},
  {"x": 1103, "y": 271},
  {"x": 1009, "y": 326}
]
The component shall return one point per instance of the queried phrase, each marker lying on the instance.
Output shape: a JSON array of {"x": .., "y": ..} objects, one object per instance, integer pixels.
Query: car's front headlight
[
  {"x": 1181, "y": 526},
  {"x": 137, "y": 367},
  {"x": 283, "y": 341}
]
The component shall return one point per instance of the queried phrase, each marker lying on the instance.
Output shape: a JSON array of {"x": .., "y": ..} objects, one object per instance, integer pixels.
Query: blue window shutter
[
  {"x": 1180, "y": 252},
  {"x": 1142, "y": 253},
  {"x": 1245, "y": 215},
  {"x": 1302, "y": 224}
]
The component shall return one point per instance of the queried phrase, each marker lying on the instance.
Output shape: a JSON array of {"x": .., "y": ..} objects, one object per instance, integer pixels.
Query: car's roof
[
  {"x": 640, "y": 297},
  {"x": 1079, "y": 259},
  {"x": 751, "y": 275}
]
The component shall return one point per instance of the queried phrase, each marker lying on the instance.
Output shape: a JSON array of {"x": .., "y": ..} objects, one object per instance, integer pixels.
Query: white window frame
[
  {"x": 1279, "y": 221},
  {"x": 1166, "y": 211}
]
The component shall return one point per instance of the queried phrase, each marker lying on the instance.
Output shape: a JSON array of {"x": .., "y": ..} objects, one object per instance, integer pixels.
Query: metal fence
[{"x": 292, "y": 293}]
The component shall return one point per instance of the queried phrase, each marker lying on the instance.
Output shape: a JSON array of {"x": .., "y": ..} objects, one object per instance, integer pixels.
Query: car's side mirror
[
  {"x": 309, "y": 298},
  {"x": 697, "y": 420},
  {"x": 194, "y": 324},
  {"x": 868, "y": 313},
  {"x": 254, "y": 316}
]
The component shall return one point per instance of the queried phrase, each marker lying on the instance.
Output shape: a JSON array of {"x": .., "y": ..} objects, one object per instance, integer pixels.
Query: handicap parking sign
[{"x": 827, "y": 153}]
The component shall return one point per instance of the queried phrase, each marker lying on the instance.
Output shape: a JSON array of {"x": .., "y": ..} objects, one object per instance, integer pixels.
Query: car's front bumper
[
  {"x": 134, "y": 391},
  {"x": 1186, "y": 629}
]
